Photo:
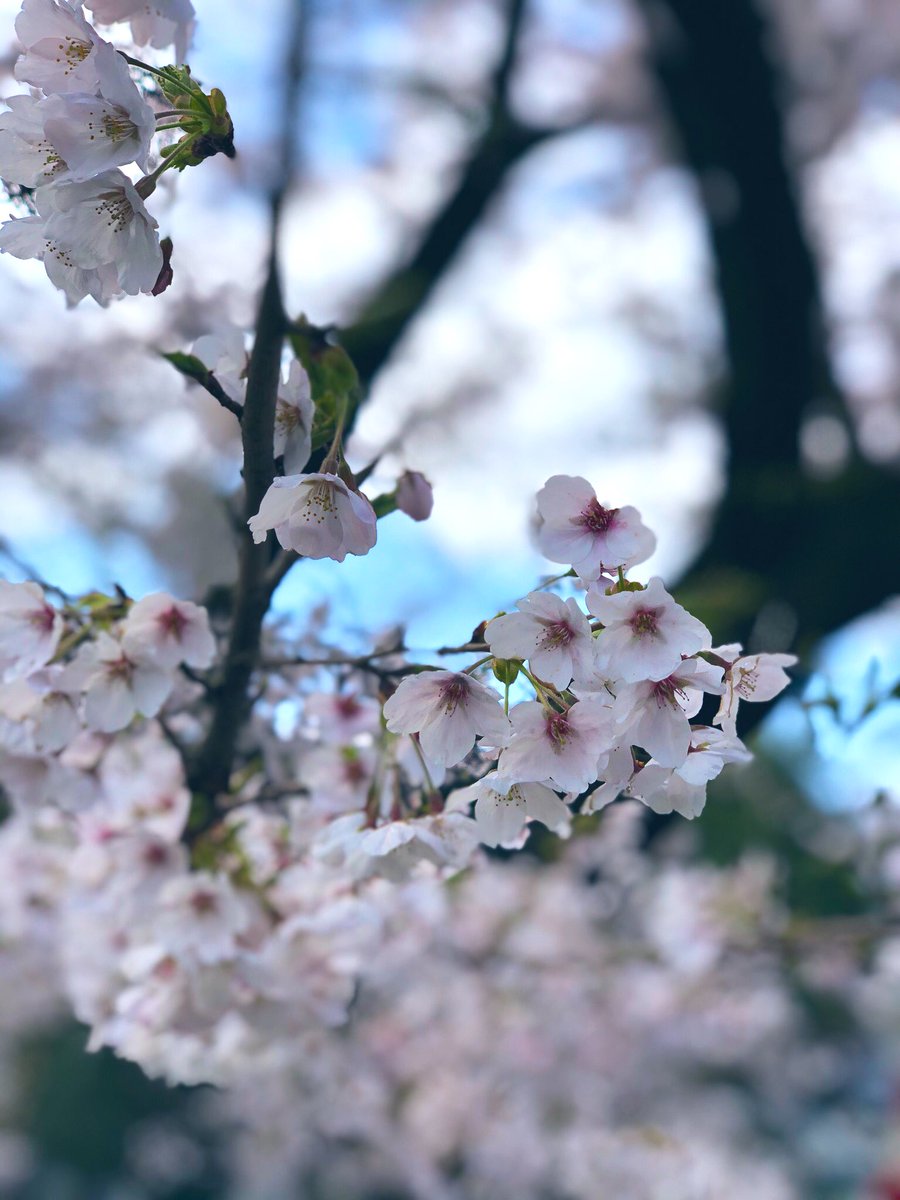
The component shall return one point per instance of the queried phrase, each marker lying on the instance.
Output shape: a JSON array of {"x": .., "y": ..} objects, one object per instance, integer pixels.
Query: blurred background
[{"x": 651, "y": 242}]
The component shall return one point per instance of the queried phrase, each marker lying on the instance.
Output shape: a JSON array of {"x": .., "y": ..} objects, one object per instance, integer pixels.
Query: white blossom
[
  {"x": 656, "y": 713},
  {"x": 117, "y": 687},
  {"x": 340, "y": 717},
  {"x": 104, "y": 221},
  {"x": 26, "y": 237},
  {"x": 26, "y": 154},
  {"x": 158, "y": 23},
  {"x": 683, "y": 790},
  {"x": 502, "y": 810},
  {"x": 755, "y": 677},
  {"x": 293, "y": 419},
  {"x": 225, "y": 354},
  {"x": 94, "y": 133},
  {"x": 317, "y": 516},
  {"x": 61, "y": 47}
]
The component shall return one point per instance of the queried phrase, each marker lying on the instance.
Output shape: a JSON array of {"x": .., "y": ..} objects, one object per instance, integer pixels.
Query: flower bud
[
  {"x": 506, "y": 669},
  {"x": 414, "y": 495}
]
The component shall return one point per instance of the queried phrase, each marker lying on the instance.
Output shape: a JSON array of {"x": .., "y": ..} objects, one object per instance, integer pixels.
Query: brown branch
[
  {"x": 505, "y": 141},
  {"x": 232, "y": 700}
]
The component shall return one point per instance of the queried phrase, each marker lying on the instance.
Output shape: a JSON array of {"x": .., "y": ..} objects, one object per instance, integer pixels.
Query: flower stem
[
  {"x": 476, "y": 665},
  {"x": 424, "y": 765},
  {"x": 136, "y": 62}
]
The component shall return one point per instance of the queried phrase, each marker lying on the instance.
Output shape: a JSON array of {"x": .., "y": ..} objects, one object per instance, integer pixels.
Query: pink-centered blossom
[
  {"x": 656, "y": 713},
  {"x": 645, "y": 633},
  {"x": 340, "y": 717},
  {"x": 448, "y": 710},
  {"x": 30, "y": 629},
  {"x": 317, "y": 516},
  {"x": 116, "y": 687},
  {"x": 162, "y": 630},
  {"x": 552, "y": 633},
  {"x": 576, "y": 528},
  {"x": 563, "y": 749}
]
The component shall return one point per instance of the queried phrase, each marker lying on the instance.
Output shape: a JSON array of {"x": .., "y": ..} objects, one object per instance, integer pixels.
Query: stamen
[
  {"x": 558, "y": 729},
  {"x": 453, "y": 693},
  {"x": 596, "y": 518},
  {"x": 557, "y": 633},
  {"x": 645, "y": 622}
]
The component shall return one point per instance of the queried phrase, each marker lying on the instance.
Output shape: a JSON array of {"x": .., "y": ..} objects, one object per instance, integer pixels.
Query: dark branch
[
  {"x": 231, "y": 695},
  {"x": 215, "y": 389},
  {"x": 505, "y": 141}
]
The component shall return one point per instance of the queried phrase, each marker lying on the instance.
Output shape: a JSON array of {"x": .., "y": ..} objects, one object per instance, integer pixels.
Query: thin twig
[{"x": 211, "y": 384}]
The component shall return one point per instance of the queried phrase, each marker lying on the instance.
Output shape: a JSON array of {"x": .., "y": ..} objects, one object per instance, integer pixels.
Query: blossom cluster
[
  {"x": 615, "y": 686},
  {"x": 64, "y": 143},
  {"x": 196, "y": 933}
]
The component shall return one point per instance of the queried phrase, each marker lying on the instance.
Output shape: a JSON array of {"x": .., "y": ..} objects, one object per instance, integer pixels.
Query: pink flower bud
[{"x": 414, "y": 495}]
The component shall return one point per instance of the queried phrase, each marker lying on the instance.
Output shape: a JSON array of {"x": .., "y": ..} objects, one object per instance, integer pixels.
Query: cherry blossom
[
  {"x": 395, "y": 850},
  {"x": 61, "y": 47},
  {"x": 26, "y": 237},
  {"x": 340, "y": 717},
  {"x": 448, "y": 710},
  {"x": 200, "y": 917},
  {"x": 576, "y": 528},
  {"x": 94, "y": 133},
  {"x": 560, "y": 748},
  {"x": 317, "y": 516},
  {"x": 756, "y": 677},
  {"x": 338, "y": 777},
  {"x": 553, "y": 634},
  {"x": 656, "y": 712},
  {"x": 104, "y": 221},
  {"x": 293, "y": 419},
  {"x": 167, "y": 632},
  {"x": 30, "y": 629},
  {"x": 503, "y": 810},
  {"x": 683, "y": 790},
  {"x": 645, "y": 633},
  {"x": 158, "y": 23},
  {"x": 225, "y": 354},
  {"x": 27, "y": 156},
  {"x": 116, "y": 687}
]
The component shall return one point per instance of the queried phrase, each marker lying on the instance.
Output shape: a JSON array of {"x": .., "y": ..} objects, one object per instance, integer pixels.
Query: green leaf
[
  {"x": 333, "y": 381},
  {"x": 385, "y": 504},
  {"x": 188, "y": 365}
]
